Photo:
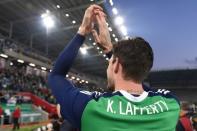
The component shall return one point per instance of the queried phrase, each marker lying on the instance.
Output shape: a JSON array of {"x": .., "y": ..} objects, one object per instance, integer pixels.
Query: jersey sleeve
[{"x": 70, "y": 98}]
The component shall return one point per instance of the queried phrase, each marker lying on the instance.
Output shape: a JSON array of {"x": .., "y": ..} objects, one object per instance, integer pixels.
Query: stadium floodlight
[
  {"x": 47, "y": 20},
  {"x": 113, "y": 35},
  {"x": 123, "y": 30},
  {"x": 87, "y": 82},
  {"x": 11, "y": 64},
  {"x": 67, "y": 76},
  {"x": 74, "y": 22},
  {"x": 31, "y": 64},
  {"x": 115, "y": 11},
  {"x": 67, "y": 15},
  {"x": 58, "y": 6},
  {"x": 109, "y": 28},
  {"x": 126, "y": 37},
  {"x": 107, "y": 24},
  {"x": 47, "y": 11},
  {"x": 83, "y": 50},
  {"x": 116, "y": 39},
  {"x": 72, "y": 77},
  {"x": 4, "y": 55},
  {"x": 111, "y": 2},
  {"x": 119, "y": 20},
  {"x": 20, "y": 61},
  {"x": 44, "y": 68}
]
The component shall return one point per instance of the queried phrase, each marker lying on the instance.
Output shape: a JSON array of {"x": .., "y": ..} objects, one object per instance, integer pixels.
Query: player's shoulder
[
  {"x": 161, "y": 92},
  {"x": 97, "y": 95}
]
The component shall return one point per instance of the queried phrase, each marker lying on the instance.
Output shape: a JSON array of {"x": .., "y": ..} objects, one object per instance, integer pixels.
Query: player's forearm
[{"x": 67, "y": 56}]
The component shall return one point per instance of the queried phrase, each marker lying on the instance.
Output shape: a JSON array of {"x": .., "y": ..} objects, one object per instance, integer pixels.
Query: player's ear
[{"x": 116, "y": 65}]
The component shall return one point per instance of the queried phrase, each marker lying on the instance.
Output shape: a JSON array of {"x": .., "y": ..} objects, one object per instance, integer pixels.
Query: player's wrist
[
  {"x": 108, "y": 48},
  {"x": 82, "y": 31}
]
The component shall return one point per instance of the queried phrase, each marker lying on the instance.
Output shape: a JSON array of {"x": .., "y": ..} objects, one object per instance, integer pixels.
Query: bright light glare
[
  {"x": 115, "y": 11},
  {"x": 47, "y": 21},
  {"x": 3, "y": 55},
  {"x": 126, "y": 37},
  {"x": 111, "y": 2},
  {"x": 67, "y": 15},
  {"x": 83, "y": 51},
  {"x": 58, "y": 6},
  {"x": 20, "y": 61},
  {"x": 44, "y": 68},
  {"x": 110, "y": 29},
  {"x": 73, "y": 21},
  {"x": 116, "y": 39},
  {"x": 31, "y": 64},
  {"x": 123, "y": 30},
  {"x": 73, "y": 77},
  {"x": 119, "y": 20},
  {"x": 107, "y": 24}
]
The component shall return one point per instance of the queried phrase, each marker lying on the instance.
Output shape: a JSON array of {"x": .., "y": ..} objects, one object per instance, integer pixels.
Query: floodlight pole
[
  {"x": 31, "y": 41},
  {"x": 11, "y": 30},
  {"x": 47, "y": 45}
]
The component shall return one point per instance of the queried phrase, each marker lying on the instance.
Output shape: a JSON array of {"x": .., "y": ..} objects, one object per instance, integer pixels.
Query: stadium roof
[{"x": 21, "y": 20}]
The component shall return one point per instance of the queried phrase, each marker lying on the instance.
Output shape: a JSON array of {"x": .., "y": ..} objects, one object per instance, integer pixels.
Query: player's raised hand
[
  {"x": 88, "y": 19},
  {"x": 103, "y": 39}
]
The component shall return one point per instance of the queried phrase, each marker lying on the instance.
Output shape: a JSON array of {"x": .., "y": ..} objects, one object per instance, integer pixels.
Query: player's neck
[{"x": 129, "y": 86}]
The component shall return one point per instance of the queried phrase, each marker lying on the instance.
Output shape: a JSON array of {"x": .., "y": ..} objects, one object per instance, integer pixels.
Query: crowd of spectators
[{"x": 15, "y": 80}]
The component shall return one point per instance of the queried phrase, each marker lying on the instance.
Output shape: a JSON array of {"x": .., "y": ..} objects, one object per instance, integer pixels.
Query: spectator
[
  {"x": 16, "y": 117},
  {"x": 1, "y": 111},
  {"x": 184, "y": 123},
  {"x": 194, "y": 119},
  {"x": 1, "y": 114}
]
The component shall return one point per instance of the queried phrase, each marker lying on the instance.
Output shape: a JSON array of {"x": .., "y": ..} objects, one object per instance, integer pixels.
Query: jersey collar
[{"x": 130, "y": 97}]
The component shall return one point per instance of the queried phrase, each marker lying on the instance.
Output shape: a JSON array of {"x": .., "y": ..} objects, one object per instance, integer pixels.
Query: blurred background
[{"x": 33, "y": 33}]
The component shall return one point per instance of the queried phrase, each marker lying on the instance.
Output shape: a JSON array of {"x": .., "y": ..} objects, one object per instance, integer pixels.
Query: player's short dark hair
[{"x": 136, "y": 58}]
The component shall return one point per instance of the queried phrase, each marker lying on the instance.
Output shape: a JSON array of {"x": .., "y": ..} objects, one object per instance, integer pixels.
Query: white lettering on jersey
[{"x": 109, "y": 106}]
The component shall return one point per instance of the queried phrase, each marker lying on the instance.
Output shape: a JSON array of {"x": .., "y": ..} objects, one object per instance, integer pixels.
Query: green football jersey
[{"x": 151, "y": 111}]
